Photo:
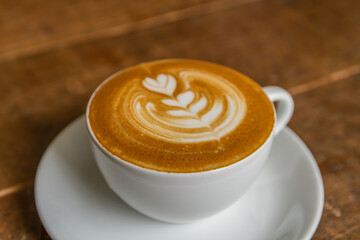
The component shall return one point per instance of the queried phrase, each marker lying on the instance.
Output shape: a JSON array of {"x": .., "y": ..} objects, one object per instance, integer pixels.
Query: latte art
[
  {"x": 180, "y": 116},
  {"x": 207, "y": 109}
]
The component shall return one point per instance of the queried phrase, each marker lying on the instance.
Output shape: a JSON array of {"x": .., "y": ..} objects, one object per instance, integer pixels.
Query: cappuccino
[{"x": 180, "y": 116}]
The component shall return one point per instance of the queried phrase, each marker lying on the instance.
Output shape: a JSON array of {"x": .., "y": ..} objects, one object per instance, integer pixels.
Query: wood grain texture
[
  {"x": 328, "y": 120},
  {"x": 18, "y": 217},
  {"x": 26, "y": 26},
  {"x": 310, "y": 49}
]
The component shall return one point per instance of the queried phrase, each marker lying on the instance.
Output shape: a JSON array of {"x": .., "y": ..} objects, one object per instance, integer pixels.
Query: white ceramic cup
[{"x": 187, "y": 197}]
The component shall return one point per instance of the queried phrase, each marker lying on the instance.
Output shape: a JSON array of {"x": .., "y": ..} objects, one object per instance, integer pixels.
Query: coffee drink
[{"x": 180, "y": 116}]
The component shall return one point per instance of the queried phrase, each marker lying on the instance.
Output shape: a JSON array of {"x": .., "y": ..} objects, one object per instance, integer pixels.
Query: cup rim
[{"x": 120, "y": 161}]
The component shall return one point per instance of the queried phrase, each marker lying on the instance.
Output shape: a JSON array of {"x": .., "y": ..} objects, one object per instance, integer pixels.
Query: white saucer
[{"x": 74, "y": 201}]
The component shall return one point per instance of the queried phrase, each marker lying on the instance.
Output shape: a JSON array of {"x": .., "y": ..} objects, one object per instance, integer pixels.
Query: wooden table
[{"x": 54, "y": 53}]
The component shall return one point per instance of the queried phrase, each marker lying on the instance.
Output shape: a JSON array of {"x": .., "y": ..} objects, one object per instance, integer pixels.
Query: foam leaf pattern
[
  {"x": 164, "y": 83},
  {"x": 185, "y": 98},
  {"x": 179, "y": 113},
  {"x": 199, "y": 105},
  {"x": 171, "y": 102}
]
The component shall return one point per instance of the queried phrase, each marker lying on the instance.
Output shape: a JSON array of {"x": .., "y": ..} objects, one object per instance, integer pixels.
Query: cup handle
[{"x": 285, "y": 106}]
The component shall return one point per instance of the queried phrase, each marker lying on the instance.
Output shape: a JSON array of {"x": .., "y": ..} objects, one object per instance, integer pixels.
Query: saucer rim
[
  {"x": 320, "y": 184},
  {"x": 289, "y": 132}
]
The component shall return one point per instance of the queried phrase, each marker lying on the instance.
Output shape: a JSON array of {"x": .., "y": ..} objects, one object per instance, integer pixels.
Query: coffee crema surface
[{"x": 180, "y": 116}]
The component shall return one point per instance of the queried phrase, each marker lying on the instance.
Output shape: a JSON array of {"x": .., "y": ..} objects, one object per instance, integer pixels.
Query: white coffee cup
[{"x": 187, "y": 197}]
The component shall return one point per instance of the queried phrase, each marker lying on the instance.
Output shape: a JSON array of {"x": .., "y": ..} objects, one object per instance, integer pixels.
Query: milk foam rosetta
[
  {"x": 180, "y": 115},
  {"x": 206, "y": 109}
]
